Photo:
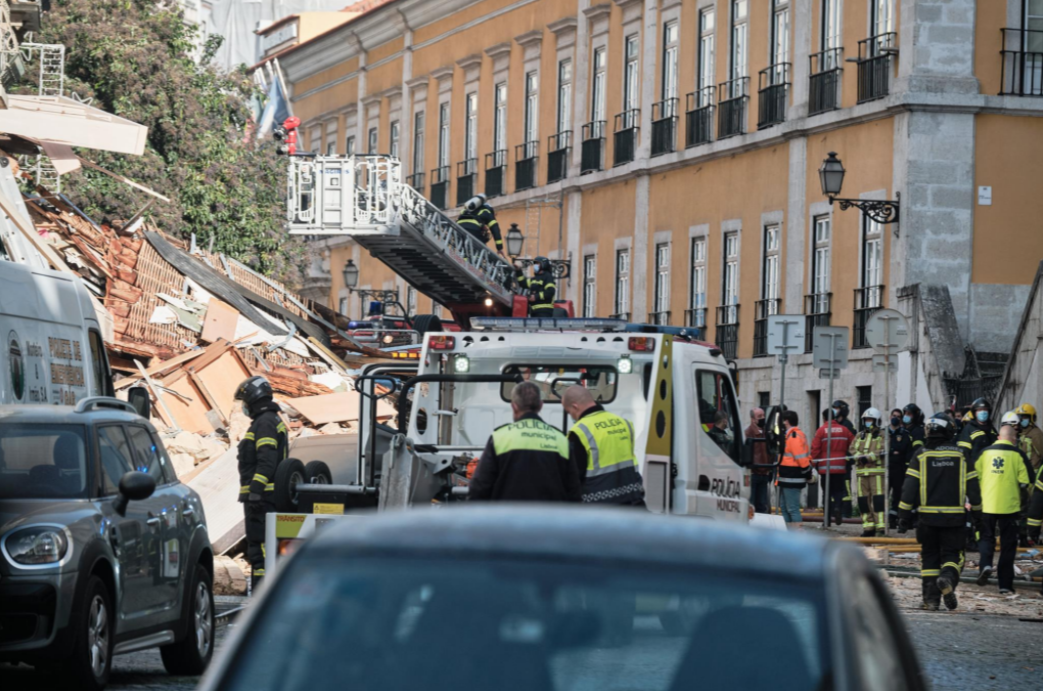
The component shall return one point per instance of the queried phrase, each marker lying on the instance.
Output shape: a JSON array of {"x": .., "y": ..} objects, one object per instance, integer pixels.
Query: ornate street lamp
[
  {"x": 351, "y": 275},
  {"x": 515, "y": 241},
  {"x": 831, "y": 178}
]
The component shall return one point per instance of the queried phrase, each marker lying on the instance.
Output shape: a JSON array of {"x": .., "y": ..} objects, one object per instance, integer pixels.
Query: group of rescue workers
[{"x": 956, "y": 480}]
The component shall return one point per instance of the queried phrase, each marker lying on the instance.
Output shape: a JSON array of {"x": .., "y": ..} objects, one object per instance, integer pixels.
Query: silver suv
[{"x": 103, "y": 551}]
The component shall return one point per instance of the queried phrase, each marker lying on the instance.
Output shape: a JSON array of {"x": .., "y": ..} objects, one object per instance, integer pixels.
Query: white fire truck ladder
[
  {"x": 364, "y": 197},
  {"x": 51, "y": 80}
]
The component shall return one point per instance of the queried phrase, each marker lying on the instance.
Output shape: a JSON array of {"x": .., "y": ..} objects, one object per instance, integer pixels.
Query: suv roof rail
[{"x": 94, "y": 402}]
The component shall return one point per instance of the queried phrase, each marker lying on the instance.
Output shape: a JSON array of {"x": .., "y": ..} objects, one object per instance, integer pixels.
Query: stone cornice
[
  {"x": 530, "y": 38},
  {"x": 597, "y": 11},
  {"x": 471, "y": 61},
  {"x": 442, "y": 73},
  {"x": 563, "y": 25},
  {"x": 500, "y": 49},
  {"x": 418, "y": 82}
]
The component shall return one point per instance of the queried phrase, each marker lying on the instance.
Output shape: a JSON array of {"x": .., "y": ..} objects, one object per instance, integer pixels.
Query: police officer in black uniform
[
  {"x": 947, "y": 479},
  {"x": 260, "y": 452},
  {"x": 912, "y": 421},
  {"x": 479, "y": 219},
  {"x": 542, "y": 288},
  {"x": 976, "y": 435},
  {"x": 897, "y": 462}
]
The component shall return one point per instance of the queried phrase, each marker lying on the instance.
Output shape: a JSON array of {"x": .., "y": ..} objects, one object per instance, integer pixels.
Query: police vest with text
[{"x": 612, "y": 474}]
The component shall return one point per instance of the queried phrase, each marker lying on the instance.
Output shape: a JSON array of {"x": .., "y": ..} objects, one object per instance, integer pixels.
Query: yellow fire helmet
[{"x": 1027, "y": 409}]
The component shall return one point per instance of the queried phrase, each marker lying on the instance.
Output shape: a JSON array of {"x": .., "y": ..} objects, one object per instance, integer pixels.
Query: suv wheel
[
  {"x": 93, "y": 627},
  {"x": 192, "y": 654}
]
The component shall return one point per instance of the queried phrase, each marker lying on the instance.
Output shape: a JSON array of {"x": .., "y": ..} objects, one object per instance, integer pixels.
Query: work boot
[
  {"x": 948, "y": 590},
  {"x": 983, "y": 575},
  {"x": 869, "y": 532},
  {"x": 892, "y": 523},
  {"x": 931, "y": 596}
]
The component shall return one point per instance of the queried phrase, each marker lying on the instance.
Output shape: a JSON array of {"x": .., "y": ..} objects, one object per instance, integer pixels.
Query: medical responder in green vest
[
  {"x": 601, "y": 447},
  {"x": 937, "y": 483},
  {"x": 1003, "y": 473},
  {"x": 262, "y": 449},
  {"x": 542, "y": 288},
  {"x": 526, "y": 460},
  {"x": 479, "y": 219},
  {"x": 868, "y": 451}
]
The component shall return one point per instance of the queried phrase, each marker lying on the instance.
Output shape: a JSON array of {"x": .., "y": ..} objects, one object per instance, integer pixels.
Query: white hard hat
[
  {"x": 871, "y": 412},
  {"x": 1009, "y": 418}
]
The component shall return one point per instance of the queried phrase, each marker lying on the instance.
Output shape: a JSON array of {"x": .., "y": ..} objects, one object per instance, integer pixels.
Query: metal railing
[
  {"x": 824, "y": 85},
  {"x": 874, "y": 66},
  {"x": 496, "y": 173},
  {"x": 1021, "y": 68},
  {"x": 818, "y": 309},
  {"x": 558, "y": 148},
  {"x": 416, "y": 181},
  {"x": 327, "y": 194},
  {"x": 440, "y": 187},
  {"x": 525, "y": 158},
  {"x": 624, "y": 316},
  {"x": 593, "y": 147},
  {"x": 695, "y": 317},
  {"x": 625, "y": 136},
  {"x": 867, "y": 300},
  {"x": 698, "y": 126},
  {"x": 762, "y": 309},
  {"x": 466, "y": 178},
  {"x": 727, "y": 336},
  {"x": 732, "y": 98},
  {"x": 772, "y": 95},
  {"x": 659, "y": 318},
  {"x": 664, "y": 126}
]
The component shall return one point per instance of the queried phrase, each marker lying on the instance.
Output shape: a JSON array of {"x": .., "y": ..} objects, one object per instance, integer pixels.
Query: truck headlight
[
  {"x": 462, "y": 365},
  {"x": 37, "y": 545}
]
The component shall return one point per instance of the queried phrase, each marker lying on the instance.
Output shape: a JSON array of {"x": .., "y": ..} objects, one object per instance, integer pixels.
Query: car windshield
[
  {"x": 39, "y": 461},
  {"x": 402, "y": 625},
  {"x": 554, "y": 379}
]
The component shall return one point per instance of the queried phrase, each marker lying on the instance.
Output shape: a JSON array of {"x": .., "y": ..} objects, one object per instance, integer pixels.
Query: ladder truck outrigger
[{"x": 677, "y": 390}]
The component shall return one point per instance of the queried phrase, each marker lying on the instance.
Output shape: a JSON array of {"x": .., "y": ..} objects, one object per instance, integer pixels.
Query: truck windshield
[
  {"x": 39, "y": 461},
  {"x": 554, "y": 379},
  {"x": 531, "y": 625}
]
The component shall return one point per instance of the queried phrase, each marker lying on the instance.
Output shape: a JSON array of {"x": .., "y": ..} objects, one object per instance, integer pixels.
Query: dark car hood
[{"x": 18, "y": 512}]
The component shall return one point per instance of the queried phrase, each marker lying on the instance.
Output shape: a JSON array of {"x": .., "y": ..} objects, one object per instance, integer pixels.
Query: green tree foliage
[{"x": 135, "y": 59}]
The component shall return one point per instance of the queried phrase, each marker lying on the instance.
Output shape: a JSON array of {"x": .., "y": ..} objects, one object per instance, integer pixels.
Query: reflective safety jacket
[
  {"x": 542, "y": 290},
  {"x": 938, "y": 481},
  {"x": 611, "y": 475},
  {"x": 527, "y": 460},
  {"x": 260, "y": 451},
  {"x": 475, "y": 222},
  {"x": 868, "y": 452},
  {"x": 831, "y": 451},
  {"x": 916, "y": 434},
  {"x": 974, "y": 438},
  {"x": 1032, "y": 445},
  {"x": 795, "y": 466},
  {"x": 1003, "y": 473},
  {"x": 1035, "y": 517}
]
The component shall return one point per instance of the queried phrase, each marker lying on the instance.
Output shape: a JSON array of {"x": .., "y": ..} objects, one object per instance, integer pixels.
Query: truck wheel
[
  {"x": 94, "y": 629},
  {"x": 427, "y": 323},
  {"x": 191, "y": 655},
  {"x": 318, "y": 473},
  {"x": 288, "y": 475}
]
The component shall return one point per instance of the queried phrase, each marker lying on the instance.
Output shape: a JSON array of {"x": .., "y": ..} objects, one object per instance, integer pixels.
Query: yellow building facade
[{"x": 669, "y": 150}]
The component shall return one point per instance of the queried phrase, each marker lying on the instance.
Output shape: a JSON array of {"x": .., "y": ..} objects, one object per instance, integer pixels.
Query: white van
[{"x": 51, "y": 346}]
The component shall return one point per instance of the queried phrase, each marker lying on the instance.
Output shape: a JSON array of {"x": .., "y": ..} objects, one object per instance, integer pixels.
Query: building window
[
  {"x": 622, "y": 302},
  {"x": 500, "y": 118},
  {"x": 342, "y": 306},
  {"x": 697, "y": 299},
  {"x": 372, "y": 144},
  {"x": 780, "y": 34},
  {"x": 331, "y": 148},
  {"x": 532, "y": 97},
  {"x": 661, "y": 303},
  {"x": 410, "y": 301},
  {"x": 730, "y": 286},
  {"x": 820, "y": 264},
  {"x": 883, "y": 15},
  {"x": 349, "y": 145},
  {"x": 443, "y": 135},
  {"x": 740, "y": 33},
  {"x": 590, "y": 293},
  {"x": 831, "y": 34},
  {"x": 437, "y": 310},
  {"x": 597, "y": 91},
  {"x": 418, "y": 143},
  {"x": 873, "y": 261},
  {"x": 706, "y": 56},
  {"x": 865, "y": 399},
  {"x": 631, "y": 76},
  {"x": 671, "y": 47},
  {"x": 393, "y": 139},
  {"x": 564, "y": 95},
  {"x": 471, "y": 127},
  {"x": 770, "y": 268}
]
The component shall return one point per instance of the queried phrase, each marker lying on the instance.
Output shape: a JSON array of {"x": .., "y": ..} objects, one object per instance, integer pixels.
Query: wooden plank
[
  {"x": 156, "y": 370},
  {"x": 221, "y": 378},
  {"x": 190, "y": 407},
  {"x": 336, "y": 407},
  {"x": 219, "y": 322},
  {"x": 169, "y": 417},
  {"x": 206, "y": 394},
  {"x": 327, "y": 355},
  {"x": 211, "y": 353}
]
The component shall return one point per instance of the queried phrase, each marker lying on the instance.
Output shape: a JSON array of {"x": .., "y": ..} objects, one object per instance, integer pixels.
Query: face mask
[
  {"x": 246, "y": 409},
  {"x": 982, "y": 415},
  {"x": 1024, "y": 422},
  {"x": 906, "y": 419},
  {"x": 869, "y": 424},
  {"x": 761, "y": 423},
  {"x": 895, "y": 421},
  {"x": 836, "y": 413}
]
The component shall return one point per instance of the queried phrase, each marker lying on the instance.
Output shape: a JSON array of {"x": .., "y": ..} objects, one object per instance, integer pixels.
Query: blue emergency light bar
[
  {"x": 522, "y": 324},
  {"x": 685, "y": 332}
]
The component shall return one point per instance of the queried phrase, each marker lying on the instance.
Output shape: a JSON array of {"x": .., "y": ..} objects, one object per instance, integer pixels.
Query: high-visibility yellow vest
[
  {"x": 1001, "y": 472},
  {"x": 612, "y": 474}
]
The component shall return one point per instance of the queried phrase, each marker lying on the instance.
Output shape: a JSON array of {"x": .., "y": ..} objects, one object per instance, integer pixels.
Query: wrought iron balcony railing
[
  {"x": 824, "y": 85},
  {"x": 664, "y": 126},
  {"x": 875, "y": 64},
  {"x": 867, "y": 301},
  {"x": 1021, "y": 67},
  {"x": 773, "y": 94},
  {"x": 593, "y": 151},
  {"x": 466, "y": 177},
  {"x": 727, "y": 336},
  {"x": 558, "y": 148},
  {"x": 698, "y": 125},
  {"x": 625, "y": 136},
  {"x": 732, "y": 99},
  {"x": 526, "y": 157},
  {"x": 817, "y": 312},
  {"x": 440, "y": 187},
  {"x": 496, "y": 173},
  {"x": 762, "y": 309}
]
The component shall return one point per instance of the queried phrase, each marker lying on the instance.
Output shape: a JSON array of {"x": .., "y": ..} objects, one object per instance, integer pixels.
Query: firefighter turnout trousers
[
  {"x": 867, "y": 450},
  {"x": 941, "y": 554},
  {"x": 261, "y": 450},
  {"x": 254, "y": 513}
]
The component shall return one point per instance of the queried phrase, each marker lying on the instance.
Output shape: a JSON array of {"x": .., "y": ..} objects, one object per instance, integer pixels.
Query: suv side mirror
[
  {"x": 134, "y": 486},
  {"x": 138, "y": 397}
]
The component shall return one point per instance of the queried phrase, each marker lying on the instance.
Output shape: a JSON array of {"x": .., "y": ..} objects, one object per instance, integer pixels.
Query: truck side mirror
[
  {"x": 138, "y": 397},
  {"x": 134, "y": 486}
]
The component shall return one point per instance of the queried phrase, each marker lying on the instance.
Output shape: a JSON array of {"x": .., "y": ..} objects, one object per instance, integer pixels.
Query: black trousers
[
  {"x": 941, "y": 551},
  {"x": 760, "y": 492},
  {"x": 1006, "y": 527},
  {"x": 838, "y": 491},
  {"x": 895, "y": 480},
  {"x": 254, "y": 513}
]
